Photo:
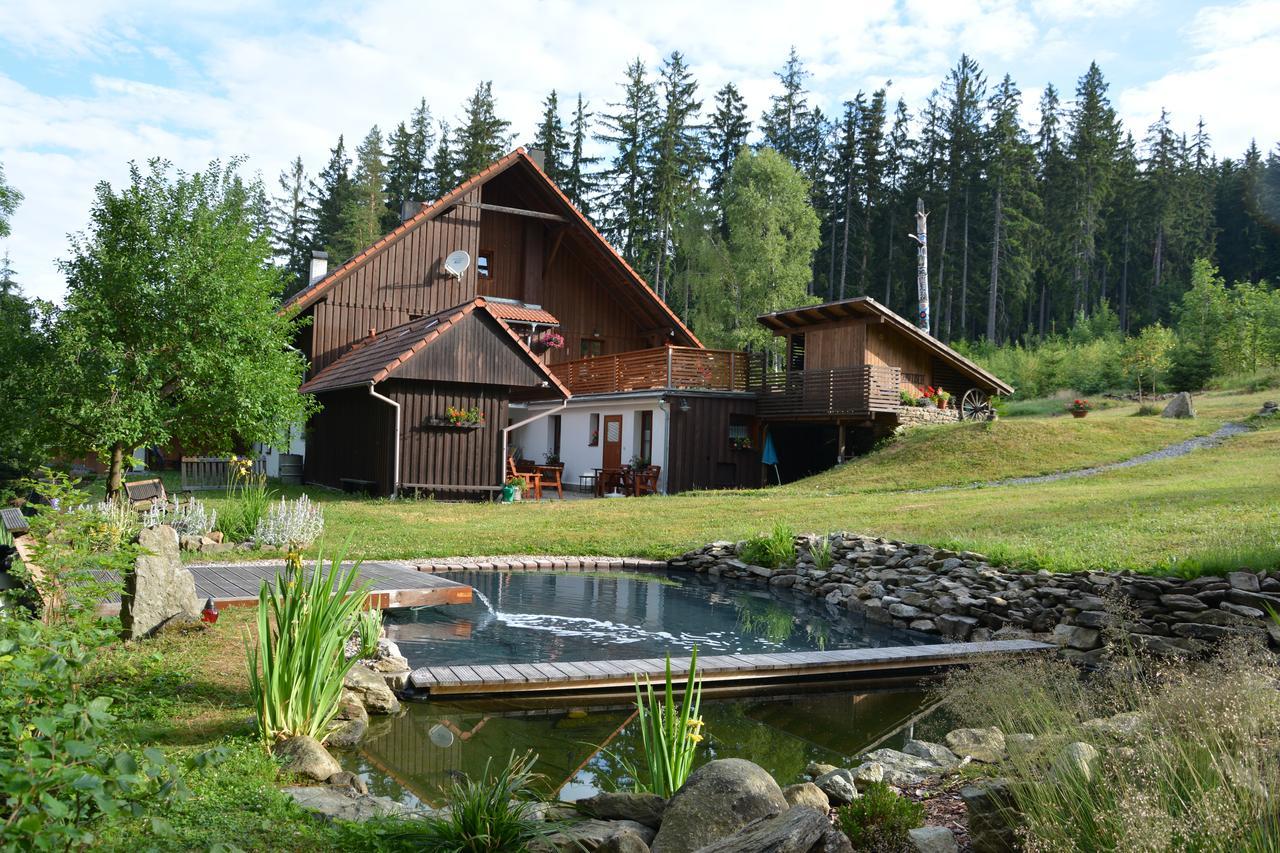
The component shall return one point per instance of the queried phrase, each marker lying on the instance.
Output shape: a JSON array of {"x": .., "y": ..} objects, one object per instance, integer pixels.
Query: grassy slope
[{"x": 1152, "y": 517}]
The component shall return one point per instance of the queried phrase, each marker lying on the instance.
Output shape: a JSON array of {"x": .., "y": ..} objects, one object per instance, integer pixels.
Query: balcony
[
  {"x": 682, "y": 368},
  {"x": 858, "y": 391}
]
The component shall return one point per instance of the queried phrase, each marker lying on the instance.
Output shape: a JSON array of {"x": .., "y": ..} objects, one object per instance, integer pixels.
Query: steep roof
[
  {"x": 518, "y": 312},
  {"x": 308, "y": 295},
  {"x": 795, "y": 319},
  {"x": 377, "y": 357}
]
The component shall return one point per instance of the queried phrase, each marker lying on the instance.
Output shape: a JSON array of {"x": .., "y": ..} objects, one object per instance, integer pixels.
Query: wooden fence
[{"x": 205, "y": 473}]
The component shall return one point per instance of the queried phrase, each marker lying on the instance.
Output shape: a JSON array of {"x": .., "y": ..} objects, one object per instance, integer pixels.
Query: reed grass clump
[
  {"x": 772, "y": 551},
  {"x": 669, "y": 731},
  {"x": 297, "y": 665},
  {"x": 1193, "y": 763}
]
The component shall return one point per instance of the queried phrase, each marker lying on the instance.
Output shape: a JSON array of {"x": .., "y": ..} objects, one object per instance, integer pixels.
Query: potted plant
[
  {"x": 552, "y": 459},
  {"x": 547, "y": 340},
  {"x": 1079, "y": 408},
  {"x": 941, "y": 398},
  {"x": 464, "y": 417},
  {"x": 926, "y": 397},
  {"x": 511, "y": 490}
]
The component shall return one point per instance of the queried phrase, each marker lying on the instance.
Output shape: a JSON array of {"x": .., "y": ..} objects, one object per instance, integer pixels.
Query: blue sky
[{"x": 87, "y": 85}]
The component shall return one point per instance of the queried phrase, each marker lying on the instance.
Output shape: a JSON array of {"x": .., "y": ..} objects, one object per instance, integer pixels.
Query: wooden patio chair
[
  {"x": 552, "y": 478},
  {"x": 532, "y": 479},
  {"x": 646, "y": 481}
]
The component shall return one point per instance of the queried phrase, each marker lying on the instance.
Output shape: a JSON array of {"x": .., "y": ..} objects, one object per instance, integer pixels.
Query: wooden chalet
[{"x": 564, "y": 353}]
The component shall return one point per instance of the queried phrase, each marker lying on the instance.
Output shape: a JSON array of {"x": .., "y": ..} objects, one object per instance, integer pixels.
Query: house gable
[{"x": 476, "y": 350}]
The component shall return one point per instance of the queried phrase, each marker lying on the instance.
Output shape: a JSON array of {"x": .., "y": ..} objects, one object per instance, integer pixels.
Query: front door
[{"x": 612, "y": 444}]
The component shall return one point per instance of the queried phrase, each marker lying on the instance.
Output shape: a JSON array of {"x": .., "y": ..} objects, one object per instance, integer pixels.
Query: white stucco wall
[
  {"x": 577, "y": 454},
  {"x": 297, "y": 444}
]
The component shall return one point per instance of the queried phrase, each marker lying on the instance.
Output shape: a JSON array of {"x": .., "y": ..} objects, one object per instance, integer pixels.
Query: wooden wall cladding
[
  {"x": 403, "y": 280},
  {"x": 890, "y": 348},
  {"x": 433, "y": 455},
  {"x": 700, "y": 456},
  {"x": 475, "y": 349},
  {"x": 350, "y": 438}
]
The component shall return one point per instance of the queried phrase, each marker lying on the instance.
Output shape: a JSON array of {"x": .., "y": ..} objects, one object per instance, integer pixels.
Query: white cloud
[{"x": 1229, "y": 82}]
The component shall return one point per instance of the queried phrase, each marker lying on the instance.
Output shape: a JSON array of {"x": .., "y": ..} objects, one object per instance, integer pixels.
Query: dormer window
[{"x": 484, "y": 264}]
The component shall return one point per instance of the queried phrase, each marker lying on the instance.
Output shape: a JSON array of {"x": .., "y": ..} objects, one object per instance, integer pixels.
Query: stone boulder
[
  {"x": 896, "y": 768},
  {"x": 796, "y": 830},
  {"x": 372, "y": 690},
  {"x": 594, "y": 836},
  {"x": 1179, "y": 407},
  {"x": 719, "y": 799},
  {"x": 159, "y": 588},
  {"x": 807, "y": 794},
  {"x": 346, "y": 734},
  {"x": 979, "y": 744},
  {"x": 840, "y": 786},
  {"x": 304, "y": 756},
  {"x": 1076, "y": 761},
  {"x": 642, "y": 808},
  {"x": 935, "y": 752},
  {"x": 932, "y": 839},
  {"x": 993, "y": 817},
  {"x": 344, "y": 803}
]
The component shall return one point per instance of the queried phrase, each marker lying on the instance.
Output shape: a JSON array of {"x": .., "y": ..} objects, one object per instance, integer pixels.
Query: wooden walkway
[
  {"x": 391, "y": 585},
  {"x": 476, "y": 679}
]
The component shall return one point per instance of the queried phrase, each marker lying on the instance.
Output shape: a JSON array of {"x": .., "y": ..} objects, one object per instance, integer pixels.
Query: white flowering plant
[
  {"x": 295, "y": 524},
  {"x": 190, "y": 517}
]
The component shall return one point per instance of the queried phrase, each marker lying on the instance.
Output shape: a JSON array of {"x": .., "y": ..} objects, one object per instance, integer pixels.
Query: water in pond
[
  {"x": 412, "y": 756},
  {"x": 548, "y": 616}
]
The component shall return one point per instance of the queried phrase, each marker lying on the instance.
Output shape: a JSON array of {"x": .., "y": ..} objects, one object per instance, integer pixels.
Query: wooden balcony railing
[
  {"x": 854, "y": 391},
  {"x": 664, "y": 367}
]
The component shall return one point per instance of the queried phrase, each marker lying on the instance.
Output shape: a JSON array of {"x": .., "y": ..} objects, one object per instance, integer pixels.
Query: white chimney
[{"x": 319, "y": 266}]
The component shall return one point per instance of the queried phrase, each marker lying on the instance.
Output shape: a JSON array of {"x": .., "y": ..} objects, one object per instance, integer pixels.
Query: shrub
[
  {"x": 297, "y": 667},
  {"x": 495, "y": 814},
  {"x": 879, "y": 820},
  {"x": 293, "y": 524},
  {"x": 1146, "y": 410},
  {"x": 114, "y": 523},
  {"x": 772, "y": 551}
]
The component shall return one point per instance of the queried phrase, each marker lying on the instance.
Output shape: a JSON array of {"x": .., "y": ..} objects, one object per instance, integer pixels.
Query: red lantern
[{"x": 210, "y": 612}]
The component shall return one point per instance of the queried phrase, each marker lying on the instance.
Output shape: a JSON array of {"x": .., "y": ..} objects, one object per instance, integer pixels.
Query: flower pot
[
  {"x": 1075, "y": 414},
  {"x": 508, "y": 493}
]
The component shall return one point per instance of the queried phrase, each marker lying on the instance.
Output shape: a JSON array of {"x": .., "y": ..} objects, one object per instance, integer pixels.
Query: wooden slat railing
[
  {"x": 204, "y": 473},
  {"x": 854, "y": 391},
  {"x": 664, "y": 367}
]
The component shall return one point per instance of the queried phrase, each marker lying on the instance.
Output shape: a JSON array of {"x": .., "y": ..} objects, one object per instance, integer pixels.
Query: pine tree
[
  {"x": 403, "y": 174},
  {"x": 627, "y": 195},
  {"x": 677, "y": 160},
  {"x": 481, "y": 137},
  {"x": 1091, "y": 147},
  {"x": 1051, "y": 301},
  {"x": 726, "y": 137},
  {"x": 331, "y": 195},
  {"x": 1014, "y": 203},
  {"x": 551, "y": 141},
  {"x": 871, "y": 156},
  {"x": 965, "y": 92},
  {"x": 444, "y": 166},
  {"x": 787, "y": 125},
  {"x": 292, "y": 224},
  {"x": 580, "y": 179},
  {"x": 899, "y": 153},
  {"x": 10, "y": 198},
  {"x": 363, "y": 219},
  {"x": 422, "y": 140}
]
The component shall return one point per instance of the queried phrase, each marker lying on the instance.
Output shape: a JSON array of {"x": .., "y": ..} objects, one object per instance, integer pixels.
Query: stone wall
[
  {"x": 961, "y": 596},
  {"x": 914, "y": 416}
]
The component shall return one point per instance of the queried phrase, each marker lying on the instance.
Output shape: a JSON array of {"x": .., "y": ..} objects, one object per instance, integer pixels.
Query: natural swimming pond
[
  {"x": 531, "y": 617},
  {"x": 552, "y": 616},
  {"x": 581, "y": 749}
]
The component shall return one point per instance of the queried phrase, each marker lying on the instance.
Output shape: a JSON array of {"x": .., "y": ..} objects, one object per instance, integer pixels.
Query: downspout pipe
[
  {"x": 395, "y": 474},
  {"x": 665, "y": 406},
  {"x": 506, "y": 431}
]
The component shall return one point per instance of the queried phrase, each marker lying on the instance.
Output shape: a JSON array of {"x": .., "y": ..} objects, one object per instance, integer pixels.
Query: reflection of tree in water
[{"x": 777, "y": 622}]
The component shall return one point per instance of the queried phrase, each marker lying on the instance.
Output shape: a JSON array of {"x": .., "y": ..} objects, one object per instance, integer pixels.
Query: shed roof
[
  {"x": 797, "y": 319},
  {"x": 377, "y": 357},
  {"x": 519, "y": 312}
]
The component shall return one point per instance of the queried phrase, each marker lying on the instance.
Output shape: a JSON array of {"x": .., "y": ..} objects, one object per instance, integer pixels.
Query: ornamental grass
[
  {"x": 669, "y": 733},
  {"x": 1193, "y": 765},
  {"x": 298, "y": 664}
]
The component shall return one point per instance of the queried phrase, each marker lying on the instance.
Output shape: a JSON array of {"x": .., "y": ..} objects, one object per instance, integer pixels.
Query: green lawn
[{"x": 1208, "y": 509}]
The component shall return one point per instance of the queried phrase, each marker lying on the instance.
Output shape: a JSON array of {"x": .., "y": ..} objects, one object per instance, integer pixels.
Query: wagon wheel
[{"x": 975, "y": 406}]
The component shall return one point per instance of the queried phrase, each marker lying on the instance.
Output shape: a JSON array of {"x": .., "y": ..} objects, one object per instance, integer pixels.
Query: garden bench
[
  {"x": 532, "y": 479},
  {"x": 148, "y": 492},
  {"x": 354, "y": 486},
  {"x": 14, "y": 521}
]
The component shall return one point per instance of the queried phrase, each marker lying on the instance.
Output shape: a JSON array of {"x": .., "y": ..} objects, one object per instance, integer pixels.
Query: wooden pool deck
[
  {"x": 391, "y": 584},
  {"x": 716, "y": 670}
]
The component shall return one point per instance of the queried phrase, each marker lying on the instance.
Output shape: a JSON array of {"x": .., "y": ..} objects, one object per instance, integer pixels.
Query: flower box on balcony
[{"x": 446, "y": 423}]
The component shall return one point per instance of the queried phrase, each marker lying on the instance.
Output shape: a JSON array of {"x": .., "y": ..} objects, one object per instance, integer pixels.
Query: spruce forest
[{"x": 1070, "y": 222}]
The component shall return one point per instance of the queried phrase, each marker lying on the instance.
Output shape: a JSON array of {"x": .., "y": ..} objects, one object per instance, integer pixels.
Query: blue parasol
[{"x": 769, "y": 456}]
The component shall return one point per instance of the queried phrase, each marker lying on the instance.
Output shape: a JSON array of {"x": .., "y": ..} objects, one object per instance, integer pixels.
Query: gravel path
[{"x": 1182, "y": 448}]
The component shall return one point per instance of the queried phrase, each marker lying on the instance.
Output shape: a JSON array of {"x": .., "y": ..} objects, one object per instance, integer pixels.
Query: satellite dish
[{"x": 457, "y": 262}]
